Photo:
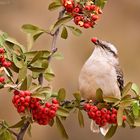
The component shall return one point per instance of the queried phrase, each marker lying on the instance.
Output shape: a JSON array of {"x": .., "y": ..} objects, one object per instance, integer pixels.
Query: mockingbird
[{"x": 101, "y": 70}]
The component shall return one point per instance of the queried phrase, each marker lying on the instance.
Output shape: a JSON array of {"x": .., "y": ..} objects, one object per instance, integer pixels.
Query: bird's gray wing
[{"x": 120, "y": 78}]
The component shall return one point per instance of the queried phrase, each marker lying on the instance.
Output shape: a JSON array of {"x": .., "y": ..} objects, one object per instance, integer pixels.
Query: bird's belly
[{"x": 92, "y": 77}]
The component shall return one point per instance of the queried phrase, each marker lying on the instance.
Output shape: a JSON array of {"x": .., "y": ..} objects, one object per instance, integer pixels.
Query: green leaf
[
  {"x": 54, "y": 5},
  {"x": 126, "y": 103},
  {"x": 136, "y": 109},
  {"x": 43, "y": 95},
  {"x": 22, "y": 73},
  {"x": 19, "y": 124},
  {"x": 36, "y": 57},
  {"x": 30, "y": 55},
  {"x": 49, "y": 76},
  {"x": 61, "y": 95},
  {"x": 58, "y": 56},
  {"x": 62, "y": 112},
  {"x": 62, "y": 21},
  {"x": 99, "y": 95},
  {"x": 37, "y": 69},
  {"x": 14, "y": 45},
  {"x": 3, "y": 36},
  {"x": 120, "y": 115},
  {"x": 26, "y": 83},
  {"x": 77, "y": 96},
  {"x": 33, "y": 32},
  {"x": 64, "y": 33},
  {"x": 80, "y": 118},
  {"x": 6, "y": 135},
  {"x": 100, "y": 3},
  {"x": 51, "y": 123},
  {"x": 32, "y": 29},
  {"x": 111, "y": 132},
  {"x": 61, "y": 128},
  {"x": 75, "y": 30},
  {"x": 111, "y": 99},
  {"x": 126, "y": 89},
  {"x": 135, "y": 88},
  {"x": 19, "y": 63}
]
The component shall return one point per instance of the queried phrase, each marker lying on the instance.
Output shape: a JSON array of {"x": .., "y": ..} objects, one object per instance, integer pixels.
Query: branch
[
  {"x": 53, "y": 46},
  {"x": 23, "y": 131},
  {"x": 11, "y": 131}
]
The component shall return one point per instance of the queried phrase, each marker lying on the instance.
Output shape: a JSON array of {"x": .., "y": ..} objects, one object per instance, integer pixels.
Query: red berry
[
  {"x": 92, "y": 115},
  {"x": 114, "y": 111},
  {"x": 98, "y": 113},
  {"x": 103, "y": 122},
  {"x": 94, "y": 108},
  {"x": 1, "y": 51},
  {"x": 2, "y": 59},
  {"x": 54, "y": 101},
  {"x": 94, "y": 39},
  {"x": 22, "y": 99},
  {"x": 103, "y": 111},
  {"x": 22, "y": 108},
  {"x": 21, "y": 93},
  {"x": 92, "y": 7},
  {"x": 124, "y": 118},
  {"x": 94, "y": 17},
  {"x": 86, "y": 25},
  {"x": 27, "y": 93},
  {"x": 2, "y": 79},
  {"x": 52, "y": 113},
  {"x": 48, "y": 105},
  {"x": 87, "y": 7},
  {"x": 16, "y": 92},
  {"x": 27, "y": 98},
  {"x": 108, "y": 117},
  {"x": 114, "y": 118},
  {"x": 6, "y": 64},
  {"x": 76, "y": 10},
  {"x": 87, "y": 107}
]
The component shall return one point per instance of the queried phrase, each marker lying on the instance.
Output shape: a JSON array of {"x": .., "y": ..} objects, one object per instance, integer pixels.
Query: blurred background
[{"x": 120, "y": 24}]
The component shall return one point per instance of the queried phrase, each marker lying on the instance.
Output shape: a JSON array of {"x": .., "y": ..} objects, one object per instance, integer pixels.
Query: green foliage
[
  {"x": 100, "y": 3},
  {"x": 80, "y": 119},
  {"x": 55, "y": 5},
  {"x": 61, "y": 128},
  {"x": 64, "y": 33}
]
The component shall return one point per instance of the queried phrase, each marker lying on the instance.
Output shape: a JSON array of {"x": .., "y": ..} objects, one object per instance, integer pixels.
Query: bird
[{"x": 101, "y": 70}]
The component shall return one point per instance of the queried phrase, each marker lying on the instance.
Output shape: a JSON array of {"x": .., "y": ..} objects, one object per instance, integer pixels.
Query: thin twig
[
  {"x": 53, "y": 46},
  {"x": 11, "y": 131}
]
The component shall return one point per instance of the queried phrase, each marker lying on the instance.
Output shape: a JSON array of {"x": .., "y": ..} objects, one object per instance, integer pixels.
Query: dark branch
[{"x": 23, "y": 131}]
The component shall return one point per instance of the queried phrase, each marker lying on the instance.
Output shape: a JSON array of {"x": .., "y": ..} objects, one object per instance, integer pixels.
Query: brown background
[{"x": 120, "y": 24}]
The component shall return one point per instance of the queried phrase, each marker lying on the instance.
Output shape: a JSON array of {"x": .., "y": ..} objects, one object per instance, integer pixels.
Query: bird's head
[{"x": 106, "y": 47}]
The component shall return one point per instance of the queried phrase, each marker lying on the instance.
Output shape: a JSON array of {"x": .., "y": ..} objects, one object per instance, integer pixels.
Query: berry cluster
[
  {"x": 85, "y": 14},
  {"x": 102, "y": 116},
  {"x": 41, "y": 112},
  {"x": 21, "y": 100},
  {"x": 3, "y": 63}
]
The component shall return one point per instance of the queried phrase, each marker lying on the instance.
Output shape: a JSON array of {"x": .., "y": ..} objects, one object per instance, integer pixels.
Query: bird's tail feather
[{"x": 96, "y": 129}]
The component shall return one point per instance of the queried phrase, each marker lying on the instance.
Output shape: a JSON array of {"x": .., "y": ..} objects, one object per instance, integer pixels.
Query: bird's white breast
[{"x": 96, "y": 73}]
